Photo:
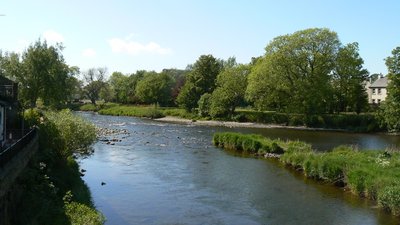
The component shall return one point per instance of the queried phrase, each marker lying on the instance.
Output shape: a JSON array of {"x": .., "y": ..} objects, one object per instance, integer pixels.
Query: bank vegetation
[{"x": 374, "y": 174}]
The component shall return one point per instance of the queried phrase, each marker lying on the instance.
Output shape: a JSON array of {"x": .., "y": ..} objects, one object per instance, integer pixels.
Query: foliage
[
  {"x": 178, "y": 112},
  {"x": 295, "y": 75},
  {"x": 348, "y": 81},
  {"x": 199, "y": 81},
  {"x": 353, "y": 122},
  {"x": 77, "y": 133},
  {"x": 89, "y": 107},
  {"x": 94, "y": 79},
  {"x": 231, "y": 87},
  {"x": 79, "y": 214},
  {"x": 154, "y": 88},
  {"x": 137, "y": 111},
  {"x": 297, "y": 67},
  {"x": 204, "y": 104},
  {"x": 390, "y": 113},
  {"x": 53, "y": 173},
  {"x": 248, "y": 143},
  {"x": 107, "y": 93},
  {"x": 41, "y": 73}
]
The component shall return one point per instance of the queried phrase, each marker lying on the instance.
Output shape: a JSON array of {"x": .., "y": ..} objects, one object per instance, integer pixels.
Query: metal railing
[{"x": 8, "y": 153}]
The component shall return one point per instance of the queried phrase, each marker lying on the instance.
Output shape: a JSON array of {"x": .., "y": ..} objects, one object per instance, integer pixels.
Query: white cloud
[
  {"x": 53, "y": 37},
  {"x": 135, "y": 48},
  {"x": 89, "y": 52}
]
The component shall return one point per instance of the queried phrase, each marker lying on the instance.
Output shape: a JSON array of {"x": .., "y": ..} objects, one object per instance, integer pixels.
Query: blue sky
[{"x": 130, "y": 35}]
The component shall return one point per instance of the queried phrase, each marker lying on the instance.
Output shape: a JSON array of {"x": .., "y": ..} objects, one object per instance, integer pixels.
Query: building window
[
  {"x": 373, "y": 101},
  {"x": 379, "y": 101},
  {"x": 379, "y": 91},
  {"x": 373, "y": 91}
]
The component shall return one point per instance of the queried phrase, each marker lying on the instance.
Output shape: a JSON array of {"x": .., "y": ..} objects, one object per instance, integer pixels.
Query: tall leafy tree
[
  {"x": 230, "y": 91},
  {"x": 199, "y": 81},
  {"x": 298, "y": 67},
  {"x": 391, "y": 108},
  {"x": 11, "y": 65},
  {"x": 154, "y": 88},
  {"x": 41, "y": 73},
  {"x": 45, "y": 74},
  {"x": 179, "y": 78},
  {"x": 119, "y": 85},
  {"x": 349, "y": 80},
  {"x": 95, "y": 81}
]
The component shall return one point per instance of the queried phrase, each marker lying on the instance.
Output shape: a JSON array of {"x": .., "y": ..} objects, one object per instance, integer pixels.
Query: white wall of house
[{"x": 378, "y": 95}]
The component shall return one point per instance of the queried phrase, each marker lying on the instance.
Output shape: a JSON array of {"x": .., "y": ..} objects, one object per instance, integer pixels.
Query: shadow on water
[{"x": 171, "y": 174}]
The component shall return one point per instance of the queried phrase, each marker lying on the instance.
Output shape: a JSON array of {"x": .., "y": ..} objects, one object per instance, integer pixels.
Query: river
[{"x": 163, "y": 173}]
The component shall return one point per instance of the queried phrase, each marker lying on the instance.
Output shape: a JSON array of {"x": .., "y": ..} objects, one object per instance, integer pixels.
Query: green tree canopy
[
  {"x": 199, "y": 81},
  {"x": 349, "y": 80},
  {"x": 230, "y": 91},
  {"x": 95, "y": 81},
  {"x": 391, "y": 108},
  {"x": 41, "y": 73},
  {"x": 296, "y": 73},
  {"x": 154, "y": 88},
  {"x": 119, "y": 84}
]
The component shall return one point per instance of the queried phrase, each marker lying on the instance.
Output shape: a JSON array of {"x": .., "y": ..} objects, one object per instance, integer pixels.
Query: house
[
  {"x": 377, "y": 90},
  {"x": 8, "y": 101}
]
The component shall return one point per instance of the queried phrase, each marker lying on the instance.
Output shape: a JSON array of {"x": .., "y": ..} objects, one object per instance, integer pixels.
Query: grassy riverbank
[
  {"x": 350, "y": 122},
  {"x": 371, "y": 174},
  {"x": 51, "y": 186}
]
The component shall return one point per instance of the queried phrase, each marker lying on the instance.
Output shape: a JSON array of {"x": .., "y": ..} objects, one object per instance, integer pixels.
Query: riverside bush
[
  {"x": 369, "y": 173},
  {"x": 53, "y": 172},
  {"x": 77, "y": 134}
]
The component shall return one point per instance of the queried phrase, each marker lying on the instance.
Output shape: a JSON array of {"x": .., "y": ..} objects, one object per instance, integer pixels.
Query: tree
[
  {"x": 94, "y": 79},
  {"x": 179, "y": 78},
  {"x": 154, "y": 88},
  {"x": 200, "y": 80},
  {"x": 230, "y": 91},
  {"x": 390, "y": 114},
  {"x": 41, "y": 73},
  {"x": 204, "y": 104},
  {"x": 45, "y": 74},
  {"x": 119, "y": 85},
  {"x": 349, "y": 80},
  {"x": 10, "y": 65},
  {"x": 297, "y": 67}
]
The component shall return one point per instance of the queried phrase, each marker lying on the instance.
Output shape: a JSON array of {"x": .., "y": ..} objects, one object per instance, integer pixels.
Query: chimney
[{"x": 380, "y": 75}]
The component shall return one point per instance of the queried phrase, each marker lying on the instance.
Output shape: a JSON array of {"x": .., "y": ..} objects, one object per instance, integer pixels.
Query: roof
[{"x": 380, "y": 83}]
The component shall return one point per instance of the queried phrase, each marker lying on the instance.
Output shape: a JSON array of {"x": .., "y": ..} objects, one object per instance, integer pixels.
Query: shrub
[
  {"x": 79, "y": 214},
  {"x": 77, "y": 134}
]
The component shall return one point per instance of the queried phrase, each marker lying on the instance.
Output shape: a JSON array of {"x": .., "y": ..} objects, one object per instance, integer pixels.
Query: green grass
[
  {"x": 371, "y": 174},
  {"x": 127, "y": 110},
  {"x": 139, "y": 111}
]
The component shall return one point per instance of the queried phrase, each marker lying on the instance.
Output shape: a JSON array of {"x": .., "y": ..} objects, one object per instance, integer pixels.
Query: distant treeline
[{"x": 309, "y": 72}]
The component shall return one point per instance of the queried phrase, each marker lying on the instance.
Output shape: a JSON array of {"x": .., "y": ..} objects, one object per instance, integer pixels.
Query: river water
[{"x": 162, "y": 173}]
